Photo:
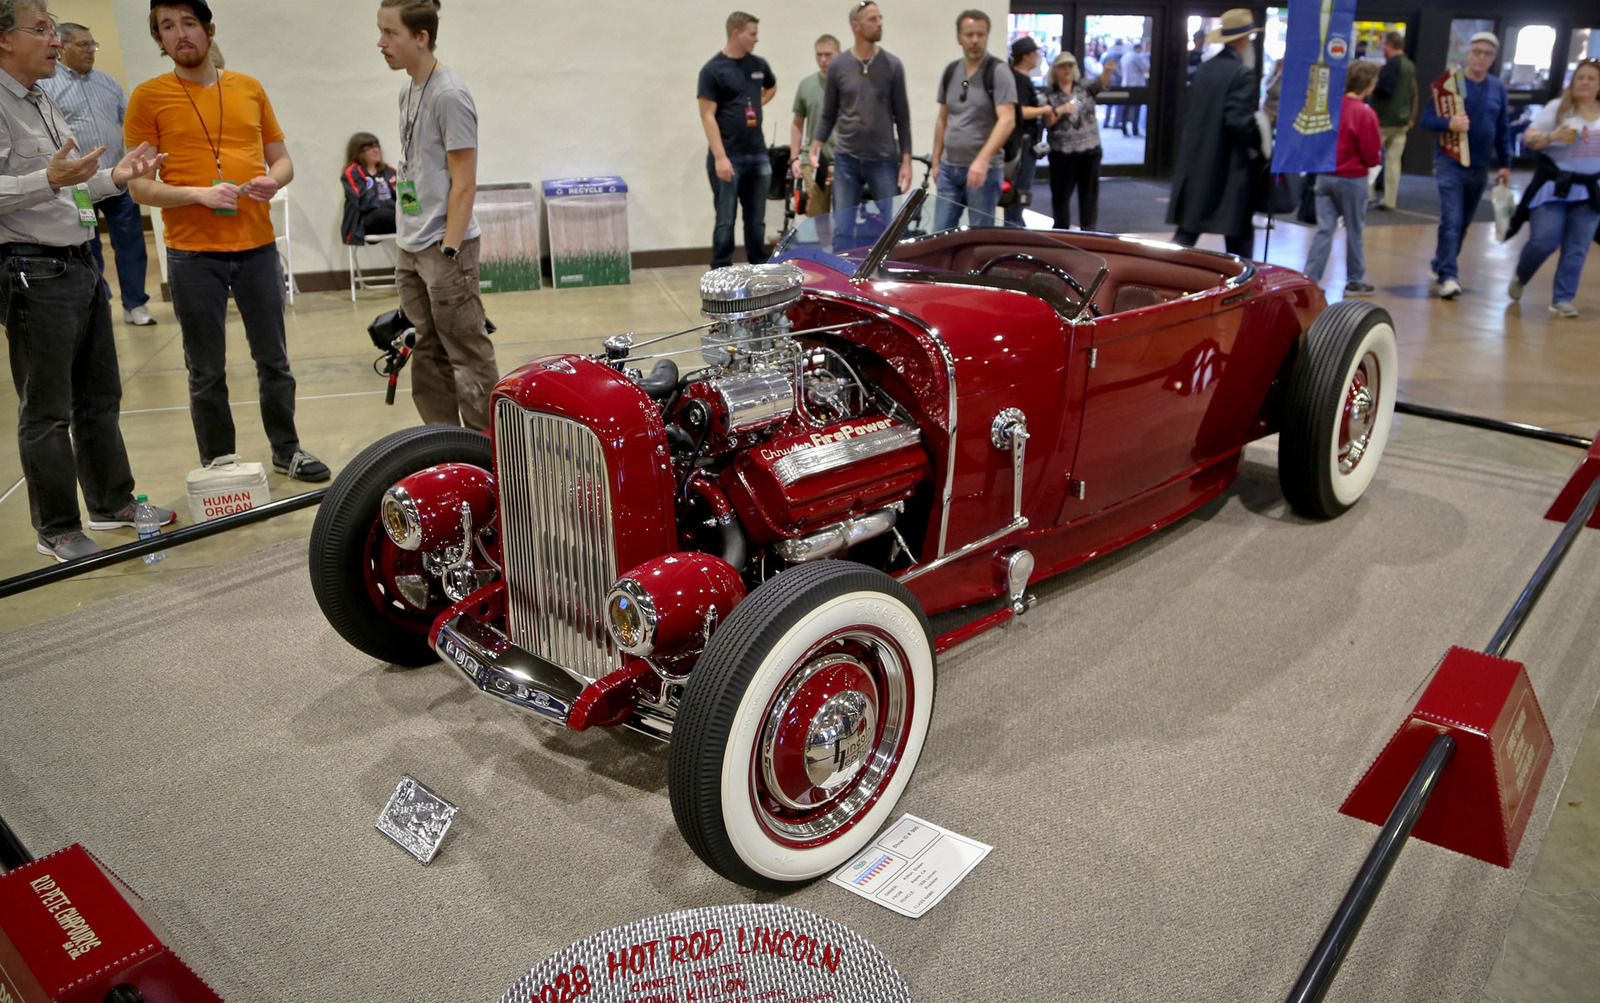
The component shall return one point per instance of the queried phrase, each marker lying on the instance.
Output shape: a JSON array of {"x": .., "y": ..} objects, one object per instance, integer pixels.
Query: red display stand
[
  {"x": 1566, "y": 502},
  {"x": 71, "y": 932},
  {"x": 1486, "y": 795}
]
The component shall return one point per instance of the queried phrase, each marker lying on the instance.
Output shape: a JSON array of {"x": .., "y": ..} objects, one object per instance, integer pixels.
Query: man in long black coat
[{"x": 1212, "y": 186}]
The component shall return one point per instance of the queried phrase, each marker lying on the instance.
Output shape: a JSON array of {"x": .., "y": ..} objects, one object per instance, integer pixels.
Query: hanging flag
[{"x": 1315, "y": 56}]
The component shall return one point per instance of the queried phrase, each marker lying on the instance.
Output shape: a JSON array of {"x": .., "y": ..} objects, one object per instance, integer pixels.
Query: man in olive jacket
[
  {"x": 1395, "y": 101},
  {"x": 1212, "y": 188}
]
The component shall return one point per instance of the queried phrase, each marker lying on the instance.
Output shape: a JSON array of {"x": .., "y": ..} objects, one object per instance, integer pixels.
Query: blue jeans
[
  {"x": 954, "y": 195},
  {"x": 69, "y": 389},
  {"x": 1569, "y": 226},
  {"x": 853, "y": 180},
  {"x": 201, "y": 281},
  {"x": 126, "y": 227},
  {"x": 1338, "y": 197},
  {"x": 752, "y": 176},
  {"x": 1460, "y": 191}
]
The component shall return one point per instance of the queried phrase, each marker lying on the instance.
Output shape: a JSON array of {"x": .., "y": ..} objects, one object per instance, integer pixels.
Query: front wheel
[
  {"x": 802, "y": 723},
  {"x": 1338, "y": 408},
  {"x": 382, "y": 599}
]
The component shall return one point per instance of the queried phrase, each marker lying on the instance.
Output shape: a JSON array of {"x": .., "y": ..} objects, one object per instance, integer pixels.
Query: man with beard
[
  {"x": 226, "y": 158},
  {"x": 1212, "y": 185},
  {"x": 865, "y": 106},
  {"x": 455, "y": 368}
]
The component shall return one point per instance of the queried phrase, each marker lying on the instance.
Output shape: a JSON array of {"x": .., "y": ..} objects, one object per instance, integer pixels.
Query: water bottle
[{"x": 144, "y": 520}]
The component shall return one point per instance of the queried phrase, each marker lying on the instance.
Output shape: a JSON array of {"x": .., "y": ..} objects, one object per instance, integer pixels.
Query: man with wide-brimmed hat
[{"x": 1211, "y": 188}]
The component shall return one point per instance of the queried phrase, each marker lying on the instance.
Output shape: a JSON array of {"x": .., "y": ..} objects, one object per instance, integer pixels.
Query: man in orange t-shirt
[{"x": 226, "y": 158}]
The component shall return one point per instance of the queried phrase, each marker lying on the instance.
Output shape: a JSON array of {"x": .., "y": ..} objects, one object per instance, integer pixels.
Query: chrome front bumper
[{"x": 498, "y": 668}]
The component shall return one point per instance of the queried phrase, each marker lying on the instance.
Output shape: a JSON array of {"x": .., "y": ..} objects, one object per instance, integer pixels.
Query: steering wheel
[{"x": 1058, "y": 272}]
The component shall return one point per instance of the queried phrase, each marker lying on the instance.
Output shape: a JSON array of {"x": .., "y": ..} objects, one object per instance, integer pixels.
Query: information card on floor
[{"x": 911, "y": 867}]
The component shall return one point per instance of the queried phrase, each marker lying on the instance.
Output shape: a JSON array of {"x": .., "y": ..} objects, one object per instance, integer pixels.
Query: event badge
[
  {"x": 223, "y": 212},
  {"x": 750, "y": 117},
  {"x": 80, "y": 196},
  {"x": 408, "y": 198}
]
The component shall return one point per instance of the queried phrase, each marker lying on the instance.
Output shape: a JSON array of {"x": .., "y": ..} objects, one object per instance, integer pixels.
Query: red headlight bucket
[
  {"x": 667, "y": 605},
  {"x": 423, "y": 510}
]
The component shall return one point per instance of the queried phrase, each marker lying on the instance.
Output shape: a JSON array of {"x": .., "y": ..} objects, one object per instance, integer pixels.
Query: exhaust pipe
[{"x": 837, "y": 538}]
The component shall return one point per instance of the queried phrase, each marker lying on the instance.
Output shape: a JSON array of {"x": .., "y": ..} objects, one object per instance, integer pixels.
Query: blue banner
[{"x": 1315, "y": 56}]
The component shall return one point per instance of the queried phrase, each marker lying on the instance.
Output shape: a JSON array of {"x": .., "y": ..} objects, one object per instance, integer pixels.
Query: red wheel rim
[
  {"x": 832, "y": 738},
  {"x": 1359, "y": 413},
  {"x": 383, "y": 566}
]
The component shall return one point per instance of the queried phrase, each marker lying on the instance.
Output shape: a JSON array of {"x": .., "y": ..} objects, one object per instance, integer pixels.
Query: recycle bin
[
  {"x": 508, "y": 257},
  {"x": 588, "y": 224}
]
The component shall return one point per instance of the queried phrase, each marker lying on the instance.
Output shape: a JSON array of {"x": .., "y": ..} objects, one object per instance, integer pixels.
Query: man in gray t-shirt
[
  {"x": 454, "y": 366},
  {"x": 865, "y": 107},
  {"x": 977, "y": 110}
]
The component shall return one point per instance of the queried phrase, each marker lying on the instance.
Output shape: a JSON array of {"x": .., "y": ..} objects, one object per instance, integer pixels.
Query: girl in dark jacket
[{"x": 368, "y": 190}]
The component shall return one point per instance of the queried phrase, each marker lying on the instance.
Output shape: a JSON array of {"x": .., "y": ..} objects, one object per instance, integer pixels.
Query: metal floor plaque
[
  {"x": 772, "y": 953},
  {"x": 416, "y": 818}
]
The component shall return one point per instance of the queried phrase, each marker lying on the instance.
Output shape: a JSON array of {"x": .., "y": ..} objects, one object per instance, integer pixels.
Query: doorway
[{"x": 1128, "y": 37}]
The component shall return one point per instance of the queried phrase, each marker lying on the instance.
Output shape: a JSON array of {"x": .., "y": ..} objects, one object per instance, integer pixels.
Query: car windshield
[{"x": 899, "y": 235}]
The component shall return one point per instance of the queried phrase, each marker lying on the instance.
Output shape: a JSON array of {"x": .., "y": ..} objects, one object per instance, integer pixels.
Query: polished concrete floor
[{"x": 1482, "y": 353}]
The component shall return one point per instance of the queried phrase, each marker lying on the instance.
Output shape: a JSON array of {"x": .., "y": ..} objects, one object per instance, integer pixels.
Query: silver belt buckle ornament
[{"x": 416, "y": 818}]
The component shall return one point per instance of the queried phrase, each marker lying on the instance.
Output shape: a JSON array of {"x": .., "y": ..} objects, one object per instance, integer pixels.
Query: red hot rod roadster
[{"x": 740, "y": 558}]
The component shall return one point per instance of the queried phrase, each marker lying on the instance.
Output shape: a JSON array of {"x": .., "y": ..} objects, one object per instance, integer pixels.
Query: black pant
[
  {"x": 379, "y": 219},
  {"x": 200, "y": 282},
  {"x": 1075, "y": 170},
  {"x": 1242, "y": 244},
  {"x": 64, "y": 365}
]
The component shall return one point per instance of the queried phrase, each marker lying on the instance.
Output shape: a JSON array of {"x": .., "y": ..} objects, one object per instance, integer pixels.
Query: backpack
[{"x": 1011, "y": 152}]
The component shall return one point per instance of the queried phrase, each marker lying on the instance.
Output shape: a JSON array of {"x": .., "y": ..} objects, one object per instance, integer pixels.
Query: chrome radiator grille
[{"x": 560, "y": 550}]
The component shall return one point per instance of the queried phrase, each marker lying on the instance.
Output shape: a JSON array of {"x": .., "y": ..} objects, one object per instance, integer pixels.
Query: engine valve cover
[{"x": 804, "y": 479}]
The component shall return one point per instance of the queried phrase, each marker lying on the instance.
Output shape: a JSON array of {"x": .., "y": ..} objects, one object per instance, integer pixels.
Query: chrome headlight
[
  {"x": 631, "y": 617},
  {"x": 401, "y": 519}
]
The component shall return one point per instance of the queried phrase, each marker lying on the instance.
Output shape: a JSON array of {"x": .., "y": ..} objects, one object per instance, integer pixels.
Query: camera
[{"x": 393, "y": 333}]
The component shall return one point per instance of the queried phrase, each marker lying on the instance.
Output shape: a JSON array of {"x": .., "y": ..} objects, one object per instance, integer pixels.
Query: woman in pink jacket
[{"x": 1344, "y": 192}]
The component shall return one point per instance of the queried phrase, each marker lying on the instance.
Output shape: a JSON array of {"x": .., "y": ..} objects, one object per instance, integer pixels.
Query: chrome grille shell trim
[
  {"x": 817, "y": 459},
  {"x": 560, "y": 545}
]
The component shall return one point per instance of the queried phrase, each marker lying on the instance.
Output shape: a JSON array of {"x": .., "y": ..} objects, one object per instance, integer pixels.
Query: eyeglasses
[
  {"x": 87, "y": 46},
  {"x": 39, "y": 31},
  {"x": 1482, "y": 53}
]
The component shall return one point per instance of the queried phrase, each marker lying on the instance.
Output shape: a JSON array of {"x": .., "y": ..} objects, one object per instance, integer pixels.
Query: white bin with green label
[{"x": 587, "y": 220}]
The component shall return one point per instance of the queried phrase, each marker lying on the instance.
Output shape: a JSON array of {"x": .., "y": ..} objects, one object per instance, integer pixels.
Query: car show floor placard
[
  {"x": 911, "y": 866},
  {"x": 721, "y": 954}
]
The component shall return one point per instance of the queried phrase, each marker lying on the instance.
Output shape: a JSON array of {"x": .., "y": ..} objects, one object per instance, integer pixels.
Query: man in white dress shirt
[{"x": 94, "y": 105}]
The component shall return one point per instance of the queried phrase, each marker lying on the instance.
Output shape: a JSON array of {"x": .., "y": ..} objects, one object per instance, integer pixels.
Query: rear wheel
[
  {"x": 1338, "y": 409},
  {"x": 377, "y": 596},
  {"x": 802, "y": 723}
]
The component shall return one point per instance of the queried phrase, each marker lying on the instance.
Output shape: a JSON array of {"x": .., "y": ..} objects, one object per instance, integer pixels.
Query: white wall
[{"x": 562, "y": 89}]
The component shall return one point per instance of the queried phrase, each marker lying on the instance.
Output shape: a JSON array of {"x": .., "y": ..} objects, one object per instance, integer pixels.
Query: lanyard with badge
[
  {"x": 80, "y": 192},
  {"x": 407, "y": 189},
  {"x": 215, "y": 146}
]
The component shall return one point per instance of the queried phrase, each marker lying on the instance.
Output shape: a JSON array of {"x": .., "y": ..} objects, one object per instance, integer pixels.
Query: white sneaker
[
  {"x": 1564, "y": 309},
  {"x": 1514, "y": 290},
  {"x": 1449, "y": 289},
  {"x": 139, "y": 316}
]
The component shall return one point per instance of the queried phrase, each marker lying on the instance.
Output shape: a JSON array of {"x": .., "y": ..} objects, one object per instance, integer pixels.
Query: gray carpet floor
[{"x": 1157, "y": 754}]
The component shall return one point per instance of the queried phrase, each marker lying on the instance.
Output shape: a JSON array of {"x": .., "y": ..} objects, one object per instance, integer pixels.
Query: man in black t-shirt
[{"x": 733, "y": 87}]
